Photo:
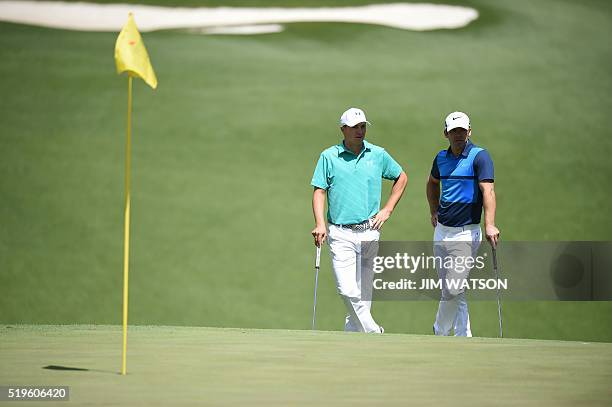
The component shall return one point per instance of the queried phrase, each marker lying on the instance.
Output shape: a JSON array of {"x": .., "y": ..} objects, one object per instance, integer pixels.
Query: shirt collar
[
  {"x": 464, "y": 153},
  {"x": 342, "y": 148}
]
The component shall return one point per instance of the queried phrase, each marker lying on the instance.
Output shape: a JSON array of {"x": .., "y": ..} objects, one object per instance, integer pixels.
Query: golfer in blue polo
[
  {"x": 349, "y": 174},
  {"x": 465, "y": 172}
]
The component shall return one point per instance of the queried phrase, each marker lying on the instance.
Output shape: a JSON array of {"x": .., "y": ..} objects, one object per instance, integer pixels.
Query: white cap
[
  {"x": 457, "y": 119},
  {"x": 352, "y": 117}
]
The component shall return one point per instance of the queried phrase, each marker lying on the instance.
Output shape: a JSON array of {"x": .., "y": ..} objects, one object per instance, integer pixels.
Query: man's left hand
[
  {"x": 380, "y": 218},
  {"x": 492, "y": 234}
]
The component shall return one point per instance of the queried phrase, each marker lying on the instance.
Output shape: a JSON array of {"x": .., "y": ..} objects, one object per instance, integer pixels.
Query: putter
[
  {"x": 314, "y": 307},
  {"x": 499, "y": 313}
]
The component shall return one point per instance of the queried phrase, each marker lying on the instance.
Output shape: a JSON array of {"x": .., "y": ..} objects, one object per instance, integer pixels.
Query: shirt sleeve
[
  {"x": 391, "y": 169},
  {"x": 320, "y": 176},
  {"x": 483, "y": 166},
  {"x": 435, "y": 170}
]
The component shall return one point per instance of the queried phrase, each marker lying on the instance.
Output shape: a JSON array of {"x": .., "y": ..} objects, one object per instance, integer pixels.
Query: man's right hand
[
  {"x": 433, "y": 198},
  {"x": 320, "y": 234}
]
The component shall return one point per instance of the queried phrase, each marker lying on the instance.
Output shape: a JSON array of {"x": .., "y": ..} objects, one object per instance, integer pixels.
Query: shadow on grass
[
  {"x": 76, "y": 369},
  {"x": 56, "y": 367}
]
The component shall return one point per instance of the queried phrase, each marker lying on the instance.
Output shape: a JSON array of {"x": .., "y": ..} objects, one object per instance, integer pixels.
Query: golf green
[
  {"x": 223, "y": 154},
  {"x": 211, "y": 366}
]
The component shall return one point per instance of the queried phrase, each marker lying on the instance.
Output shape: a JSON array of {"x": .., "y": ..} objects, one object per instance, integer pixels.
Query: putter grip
[{"x": 318, "y": 260}]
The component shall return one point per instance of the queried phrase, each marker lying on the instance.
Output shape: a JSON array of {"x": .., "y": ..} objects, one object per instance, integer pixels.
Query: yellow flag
[{"x": 131, "y": 54}]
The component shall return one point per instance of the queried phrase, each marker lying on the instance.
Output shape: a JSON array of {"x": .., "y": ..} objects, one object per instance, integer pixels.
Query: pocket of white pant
[
  {"x": 438, "y": 236},
  {"x": 369, "y": 243},
  {"x": 372, "y": 235},
  {"x": 477, "y": 236},
  {"x": 331, "y": 233},
  {"x": 334, "y": 234}
]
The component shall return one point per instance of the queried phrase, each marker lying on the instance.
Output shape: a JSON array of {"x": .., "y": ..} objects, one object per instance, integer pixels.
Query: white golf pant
[
  {"x": 453, "y": 310},
  {"x": 346, "y": 251}
]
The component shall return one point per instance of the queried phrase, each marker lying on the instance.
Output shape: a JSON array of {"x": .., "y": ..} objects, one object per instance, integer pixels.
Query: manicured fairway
[
  {"x": 223, "y": 154},
  {"x": 212, "y": 366}
]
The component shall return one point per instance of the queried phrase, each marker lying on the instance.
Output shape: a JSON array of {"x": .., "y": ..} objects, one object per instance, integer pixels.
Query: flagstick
[{"x": 126, "y": 241}]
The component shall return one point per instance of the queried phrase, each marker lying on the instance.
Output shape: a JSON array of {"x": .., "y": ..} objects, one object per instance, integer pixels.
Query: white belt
[{"x": 471, "y": 226}]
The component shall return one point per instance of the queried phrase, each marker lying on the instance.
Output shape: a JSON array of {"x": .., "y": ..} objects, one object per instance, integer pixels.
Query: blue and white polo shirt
[{"x": 461, "y": 198}]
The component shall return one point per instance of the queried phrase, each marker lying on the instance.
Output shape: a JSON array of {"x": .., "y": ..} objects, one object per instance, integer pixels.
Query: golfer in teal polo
[{"x": 350, "y": 175}]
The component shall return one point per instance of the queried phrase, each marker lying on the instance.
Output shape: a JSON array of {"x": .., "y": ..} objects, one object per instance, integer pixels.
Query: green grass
[
  {"x": 224, "y": 151},
  {"x": 208, "y": 366}
]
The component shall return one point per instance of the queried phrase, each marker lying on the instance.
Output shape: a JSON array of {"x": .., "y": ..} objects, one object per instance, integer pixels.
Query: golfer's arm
[
  {"x": 318, "y": 206},
  {"x": 397, "y": 191},
  {"x": 433, "y": 194},
  {"x": 488, "y": 202}
]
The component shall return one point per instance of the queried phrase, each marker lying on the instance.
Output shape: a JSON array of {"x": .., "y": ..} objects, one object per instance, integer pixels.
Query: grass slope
[
  {"x": 224, "y": 151},
  {"x": 208, "y": 366}
]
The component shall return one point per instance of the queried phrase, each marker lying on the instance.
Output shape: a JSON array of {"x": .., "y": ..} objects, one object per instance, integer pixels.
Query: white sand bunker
[{"x": 229, "y": 20}]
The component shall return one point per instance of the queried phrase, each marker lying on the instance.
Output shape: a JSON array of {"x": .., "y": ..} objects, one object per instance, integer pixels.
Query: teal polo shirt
[{"x": 353, "y": 182}]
